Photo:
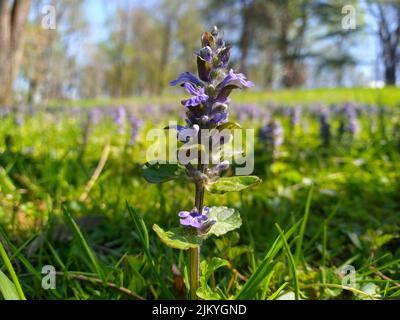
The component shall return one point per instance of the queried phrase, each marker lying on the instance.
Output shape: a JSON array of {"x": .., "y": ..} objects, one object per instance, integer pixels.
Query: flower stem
[{"x": 194, "y": 254}]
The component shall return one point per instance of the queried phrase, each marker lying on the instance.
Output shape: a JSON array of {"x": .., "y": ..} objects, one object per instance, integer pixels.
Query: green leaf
[
  {"x": 207, "y": 269},
  {"x": 178, "y": 238},
  {"x": 292, "y": 263},
  {"x": 206, "y": 293},
  {"x": 7, "y": 288},
  {"x": 227, "y": 220},
  {"x": 159, "y": 173},
  {"x": 11, "y": 271},
  {"x": 233, "y": 184},
  {"x": 303, "y": 226},
  {"x": 229, "y": 126}
]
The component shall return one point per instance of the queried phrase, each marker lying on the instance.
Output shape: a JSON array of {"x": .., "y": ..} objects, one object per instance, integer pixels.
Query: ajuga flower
[
  {"x": 196, "y": 219},
  {"x": 208, "y": 126},
  {"x": 208, "y": 106},
  {"x": 199, "y": 95}
]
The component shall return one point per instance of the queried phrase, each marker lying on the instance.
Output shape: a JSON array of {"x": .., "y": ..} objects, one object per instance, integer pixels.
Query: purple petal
[
  {"x": 203, "y": 217},
  {"x": 196, "y": 223},
  {"x": 187, "y": 221},
  {"x": 236, "y": 76},
  {"x": 206, "y": 210},
  {"x": 187, "y": 77},
  {"x": 184, "y": 214}
]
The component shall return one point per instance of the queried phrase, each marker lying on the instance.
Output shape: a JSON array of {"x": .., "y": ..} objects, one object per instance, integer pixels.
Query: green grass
[
  {"x": 389, "y": 96},
  {"x": 103, "y": 248}
]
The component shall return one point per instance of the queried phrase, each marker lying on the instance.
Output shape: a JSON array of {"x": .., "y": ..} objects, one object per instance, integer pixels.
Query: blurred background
[{"x": 88, "y": 49}]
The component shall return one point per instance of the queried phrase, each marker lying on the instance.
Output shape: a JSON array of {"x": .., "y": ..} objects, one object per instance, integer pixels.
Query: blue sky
[{"x": 98, "y": 10}]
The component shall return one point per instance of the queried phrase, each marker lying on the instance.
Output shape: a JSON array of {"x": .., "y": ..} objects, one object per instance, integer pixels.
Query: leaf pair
[{"x": 227, "y": 219}]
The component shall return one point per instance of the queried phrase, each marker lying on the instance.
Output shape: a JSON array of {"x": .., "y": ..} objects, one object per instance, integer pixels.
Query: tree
[
  {"x": 387, "y": 16},
  {"x": 13, "y": 17}
]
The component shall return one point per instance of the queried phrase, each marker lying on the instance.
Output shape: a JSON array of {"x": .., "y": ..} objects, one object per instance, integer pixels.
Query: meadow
[{"x": 72, "y": 196}]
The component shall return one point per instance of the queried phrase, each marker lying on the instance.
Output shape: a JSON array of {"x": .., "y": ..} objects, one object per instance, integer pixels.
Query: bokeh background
[{"x": 76, "y": 103}]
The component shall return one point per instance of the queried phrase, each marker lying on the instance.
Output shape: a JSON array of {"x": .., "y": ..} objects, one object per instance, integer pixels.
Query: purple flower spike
[
  {"x": 187, "y": 77},
  {"x": 195, "y": 219}
]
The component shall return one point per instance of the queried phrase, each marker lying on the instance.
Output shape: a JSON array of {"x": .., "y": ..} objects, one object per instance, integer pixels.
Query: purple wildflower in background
[
  {"x": 135, "y": 124},
  {"x": 5, "y": 111},
  {"x": 95, "y": 115},
  {"x": 250, "y": 112},
  {"x": 272, "y": 134},
  {"x": 19, "y": 119},
  {"x": 348, "y": 122},
  {"x": 351, "y": 115},
  {"x": 295, "y": 115},
  {"x": 119, "y": 116},
  {"x": 196, "y": 219},
  {"x": 325, "y": 128}
]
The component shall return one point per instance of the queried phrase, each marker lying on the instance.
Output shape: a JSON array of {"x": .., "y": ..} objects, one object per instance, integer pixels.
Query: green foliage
[
  {"x": 84, "y": 247},
  {"x": 351, "y": 217},
  {"x": 7, "y": 288},
  {"x": 10, "y": 290},
  {"x": 233, "y": 184},
  {"x": 178, "y": 238},
  {"x": 159, "y": 173},
  {"x": 227, "y": 219}
]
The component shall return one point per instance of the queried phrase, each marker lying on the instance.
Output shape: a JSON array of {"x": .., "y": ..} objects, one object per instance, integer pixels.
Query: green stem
[{"x": 194, "y": 254}]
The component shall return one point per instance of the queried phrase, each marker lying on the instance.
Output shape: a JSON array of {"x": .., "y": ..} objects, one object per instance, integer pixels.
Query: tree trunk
[
  {"x": 13, "y": 16},
  {"x": 389, "y": 39},
  {"x": 390, "y": 75}
]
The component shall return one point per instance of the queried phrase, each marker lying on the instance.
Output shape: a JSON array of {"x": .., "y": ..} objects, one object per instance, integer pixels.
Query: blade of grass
[
  {"x": 320, "y": 230},
  {"x": 11, "y": 271},
  {"x": 7, "y": 288},
  {"x": 303, "y": 226},
  {"x": 84, "y": 245},
  {"x": 292, "y": 263},
  {"x": 277, "y": 292},
  {"x": 144, "y": 239},
  {"x": 266, "y": 266}
]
